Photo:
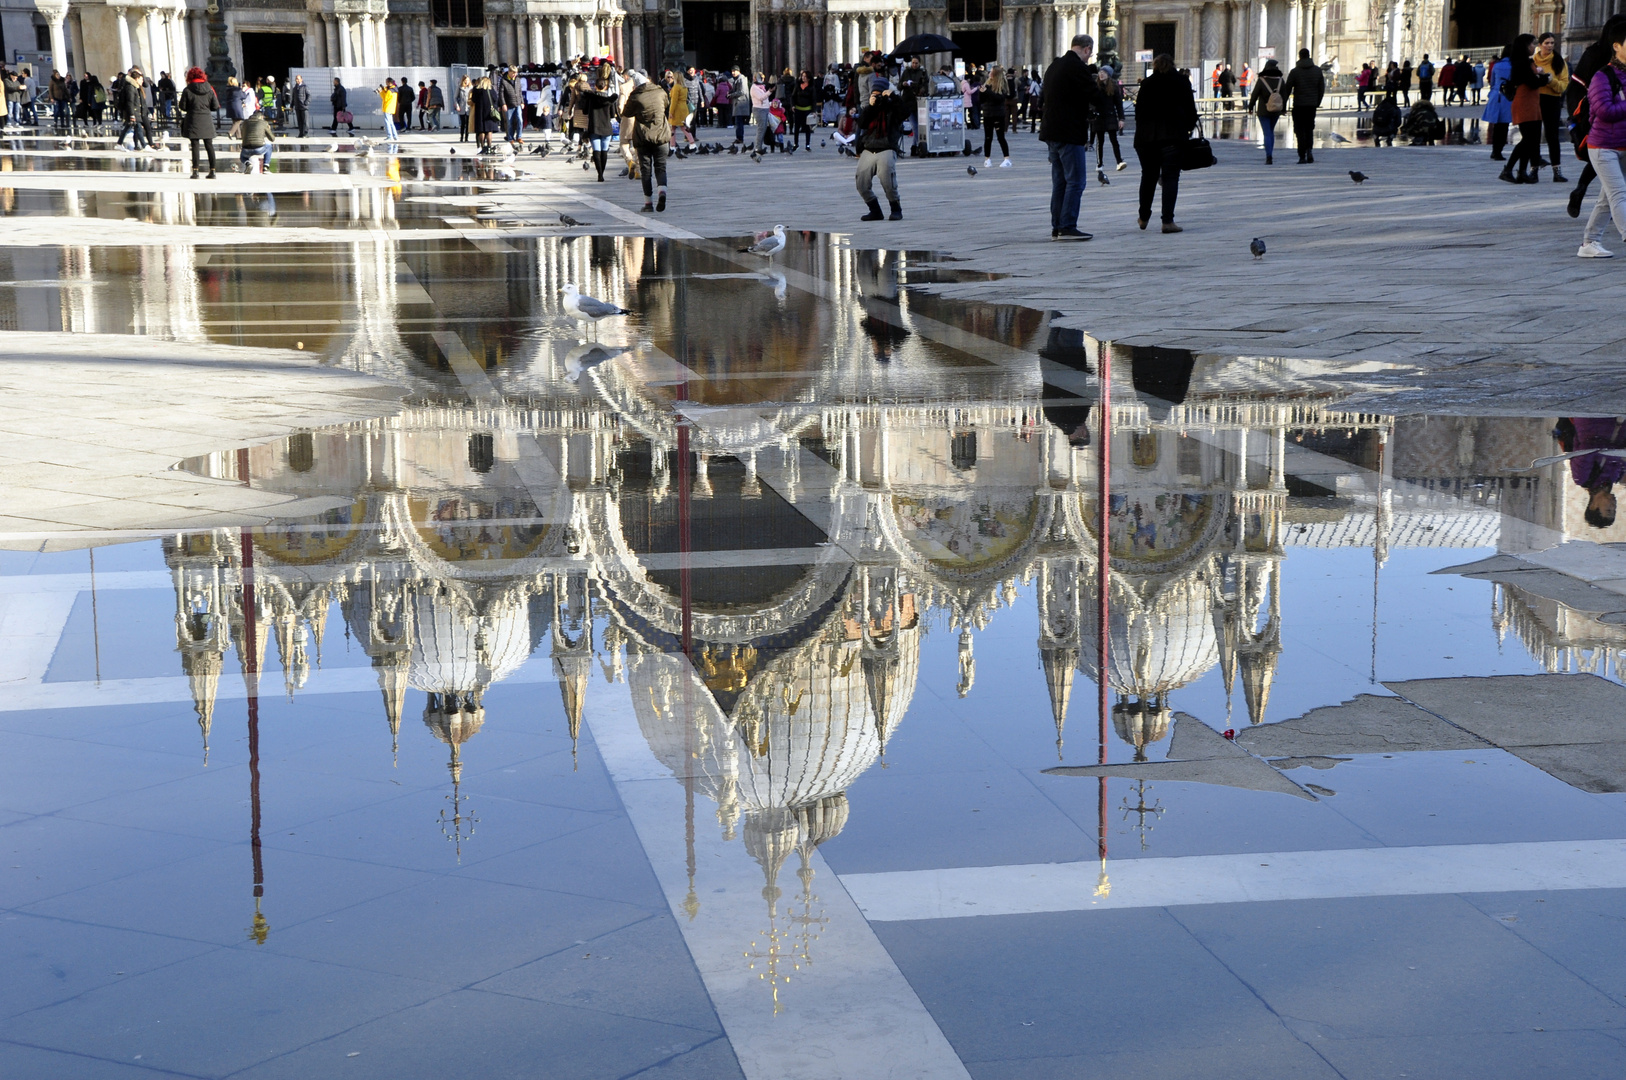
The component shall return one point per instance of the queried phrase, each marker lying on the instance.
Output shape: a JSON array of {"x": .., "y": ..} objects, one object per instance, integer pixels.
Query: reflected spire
[{"x": 1059, "y": 665}]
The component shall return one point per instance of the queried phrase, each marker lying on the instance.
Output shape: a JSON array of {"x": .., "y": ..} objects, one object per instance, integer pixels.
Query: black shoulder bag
[{"x": 1196, "y": 153}]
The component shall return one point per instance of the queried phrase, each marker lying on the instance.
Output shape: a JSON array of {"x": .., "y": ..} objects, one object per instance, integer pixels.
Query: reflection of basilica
[{"x": 754, "y": 522}]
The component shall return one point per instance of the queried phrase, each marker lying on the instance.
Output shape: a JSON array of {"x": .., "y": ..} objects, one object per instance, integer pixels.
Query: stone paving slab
[
  {"x": 138, "y": 406},
  {"x": 1410, "y": 268}
]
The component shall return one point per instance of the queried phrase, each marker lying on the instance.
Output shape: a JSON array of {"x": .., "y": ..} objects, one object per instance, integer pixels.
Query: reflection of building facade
[{"x": 758, "y": 554}]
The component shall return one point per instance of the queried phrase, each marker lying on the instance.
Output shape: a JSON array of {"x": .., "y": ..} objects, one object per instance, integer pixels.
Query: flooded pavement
[{"x": 723, "y": 695}]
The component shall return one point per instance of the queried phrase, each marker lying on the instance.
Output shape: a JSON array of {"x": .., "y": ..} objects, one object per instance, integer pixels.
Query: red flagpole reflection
[{"x": 1103, "y": 556}]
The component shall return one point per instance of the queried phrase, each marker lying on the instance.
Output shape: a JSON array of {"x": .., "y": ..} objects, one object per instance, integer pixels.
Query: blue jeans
[
  {"x": 739, "y": 126},
  {"x": 1069, "y": 165},
  {"x": 1267, "y": 124},
  {"x": 515, "y": 127},
  {"x": 389, "y": 128},
  {"x": 600, "y": 142},
  {"x": 262, "y": 152}
]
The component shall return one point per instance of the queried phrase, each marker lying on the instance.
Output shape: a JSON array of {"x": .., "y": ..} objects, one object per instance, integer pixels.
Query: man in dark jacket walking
[
  {"x": 340, "y": 100},
  {"x": 302, "y": 105},
  {"x": 512, "y": 103},
  {"x": 1306, "y": 85},
  {"x": 1069, "y": 96}
]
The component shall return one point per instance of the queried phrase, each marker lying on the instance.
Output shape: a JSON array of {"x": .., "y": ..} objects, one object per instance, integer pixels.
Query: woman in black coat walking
[
  {"x": 198, "y": 105},
  {"x": 1165, "y": 113}
]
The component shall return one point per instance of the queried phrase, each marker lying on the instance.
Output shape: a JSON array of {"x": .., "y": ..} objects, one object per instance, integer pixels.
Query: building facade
[{"x": 272, "y": 36}]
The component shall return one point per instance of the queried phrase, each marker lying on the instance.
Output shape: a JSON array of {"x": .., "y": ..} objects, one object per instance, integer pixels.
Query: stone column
[
  {"x": 366, "y": 41},
  {"x": 555, "y": 46},
  {"x": 346, "y": 58},
  {"x": 55, "y": 18},
  {"x": 180, "y": 53},
  {"x": 1321, "y": 52},
  {"x": 1262, "y": 9},
  {"x": 833, "y": 27},
  {"x": 76, "y": 39},
  {"x": 382, "y": 45},
  {"x": 1295, "y": 27}
]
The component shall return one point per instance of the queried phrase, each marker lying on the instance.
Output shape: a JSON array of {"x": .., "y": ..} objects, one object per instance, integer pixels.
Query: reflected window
[
  {"x": 302, "y": 452},
  {"x": 482, "y": 452},
  {"x": 1143, "y": 449}
]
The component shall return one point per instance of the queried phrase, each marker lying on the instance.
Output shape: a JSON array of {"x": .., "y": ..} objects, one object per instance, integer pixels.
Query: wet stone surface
[{"x": 741, "y": 685}]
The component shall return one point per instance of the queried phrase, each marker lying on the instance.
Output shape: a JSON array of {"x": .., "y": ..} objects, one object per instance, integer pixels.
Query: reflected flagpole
[
  {"x": 1103, "y": 556},
  {"x": 251, "y": 672}
]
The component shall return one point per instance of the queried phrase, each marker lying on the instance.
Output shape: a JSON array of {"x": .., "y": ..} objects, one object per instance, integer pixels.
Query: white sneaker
[
  {"x": 1594, "y": 250},
  {"x": 987, "y": 162},
  {"x": 1005, "y": 164},
  {"x": 1122, "y": 165}
]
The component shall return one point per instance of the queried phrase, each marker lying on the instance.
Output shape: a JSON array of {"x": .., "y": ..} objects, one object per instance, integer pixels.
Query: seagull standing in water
[
  {"x": 588, "y": 310},
  {"x": 768, "y": 244}
]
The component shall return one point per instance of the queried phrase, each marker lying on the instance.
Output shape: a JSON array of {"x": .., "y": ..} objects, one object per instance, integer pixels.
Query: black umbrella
[{"x": 921, "y": 44}]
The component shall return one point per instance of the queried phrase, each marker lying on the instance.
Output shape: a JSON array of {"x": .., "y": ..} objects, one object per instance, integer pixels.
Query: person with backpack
[
  {"x": 1526, "y": 83},
  {"x": 1425, "y": 80},
  {"x": 1268, "y": 104},
  {"x": 1107, "y": 119},
  {"x": 98, "y": 99},
  {"x": 647, "y": 112},
  {"x": 1606, "y": 143},
  {"x": 1307, "y": 85},
  {"x": 1591, "y": 61}
]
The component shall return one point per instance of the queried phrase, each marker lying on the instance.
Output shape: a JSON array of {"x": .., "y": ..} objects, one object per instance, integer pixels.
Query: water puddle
[{"x": 750, "y": 640}]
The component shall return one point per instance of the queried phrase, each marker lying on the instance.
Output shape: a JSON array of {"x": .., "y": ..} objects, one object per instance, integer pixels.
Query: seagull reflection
[{"x": 585, "y": 357}]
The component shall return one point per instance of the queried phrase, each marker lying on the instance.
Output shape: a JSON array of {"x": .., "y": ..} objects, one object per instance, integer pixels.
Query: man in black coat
[
  {"x": 513, "y": 103},
  {"x": 302, "y": 104},
  {"x": 1307, "y": 86},
  {"x": 1070, "y": 91}
]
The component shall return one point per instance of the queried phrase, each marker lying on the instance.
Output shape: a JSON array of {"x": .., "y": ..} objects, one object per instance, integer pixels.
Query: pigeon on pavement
[
  {"x": 971, "y": 170},
  {"x": 1357, "y": 176},
  {"x": 569, "y": 222},
  {"x": 1257, "y": 247}
]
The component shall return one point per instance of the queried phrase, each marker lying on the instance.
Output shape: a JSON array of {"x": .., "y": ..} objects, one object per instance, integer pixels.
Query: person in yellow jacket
[
  {"x": 386, "y": 105},
  {"x": 1552, "y": 99}
]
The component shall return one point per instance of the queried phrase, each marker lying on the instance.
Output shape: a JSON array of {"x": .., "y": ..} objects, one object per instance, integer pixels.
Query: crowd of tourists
[{"x": 1533, "y": 102}]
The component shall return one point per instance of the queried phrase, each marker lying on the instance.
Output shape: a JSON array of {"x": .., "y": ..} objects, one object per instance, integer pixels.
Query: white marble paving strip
[
  {"x": 161, "y": 579},
  {"x": 962, "y": 892},
  {"x": 13, "y": 584},
  {"x": 848, "y": 1014},
  {"x": 31, "y": 624},
  {"x": 175, "y": 688}
]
